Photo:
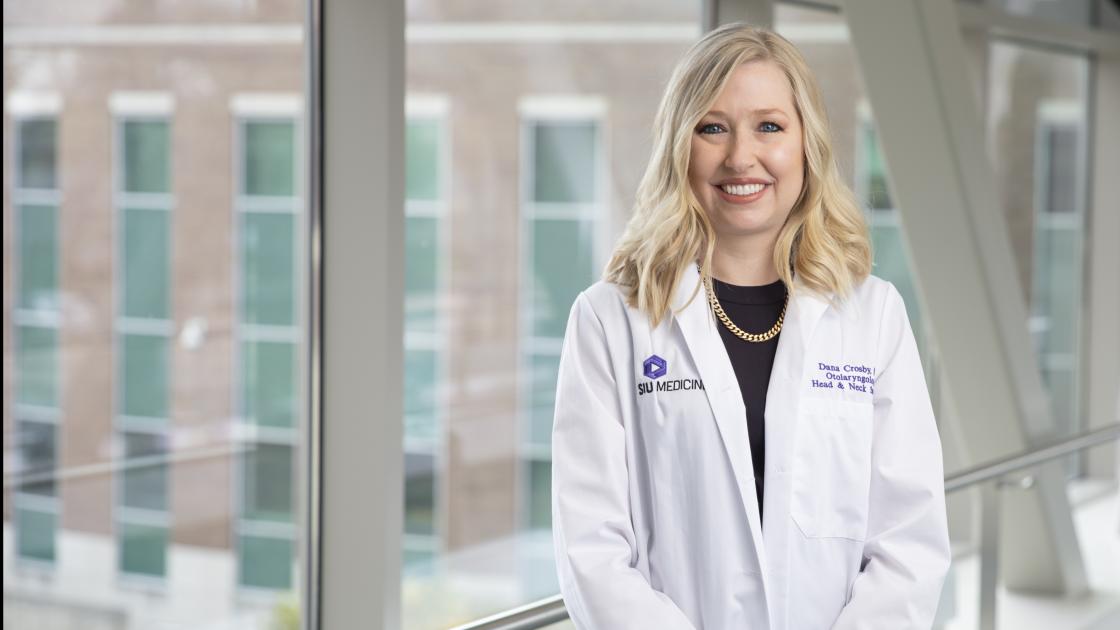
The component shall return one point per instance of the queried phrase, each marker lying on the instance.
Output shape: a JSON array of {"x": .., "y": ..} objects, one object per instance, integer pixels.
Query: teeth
[{"x": 743, "y": 190}]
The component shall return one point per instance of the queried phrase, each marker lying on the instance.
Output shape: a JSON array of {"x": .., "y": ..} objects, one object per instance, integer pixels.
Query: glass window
[
  {"x": 183, "y": 312},
  {"x": 144, "y": 483},
  {"x": 147, "y": 167},
  {"x": 420, "y": 488},
  {"x": 38, "y": 247},
  {"x": 37, "y": 148},
  {"x": 540, "y": 494},
  {"x": 268, "y": 263},
  {"x": 144, "y": 371},
  {"x": 564, "y": 162},
  {"x": 37, "y": 457},
  {"x": 36, "y": 534},
  {"x": 268, "y": 352},
  {"x": 1036, "y": 123},
  {"x": 38, "y": 362},
  {"x": 562, "y": 267},
  {"x": 146, "y": 265},
  {"x": 269, "y": 373},
  {"x": 268, "y": 482},
  {"x": 422, "y": 155},
  {"x": 420, "y": 400},
  {"x": 265, "y": 562},
  {"x": 143, "y": 549},
  {"x": 421, "y": 272},
  {"x": 269, "y": 158}
]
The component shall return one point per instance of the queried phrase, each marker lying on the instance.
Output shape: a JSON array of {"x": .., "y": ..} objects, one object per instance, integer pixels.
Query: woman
[{"x": 728, "y": 454}]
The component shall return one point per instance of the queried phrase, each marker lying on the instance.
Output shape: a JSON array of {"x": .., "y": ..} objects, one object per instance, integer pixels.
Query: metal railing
[{"x": 550, "y": 610}]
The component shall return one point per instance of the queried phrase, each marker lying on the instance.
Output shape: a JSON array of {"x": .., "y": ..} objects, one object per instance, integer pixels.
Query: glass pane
[
  {"x": 422, "y": 155},
  {"x": 878, "y": 190},
  {"x": 37, "y": 151},
  {"x": 38, "y": 360},
  {"x": 545, "y": 368},
  {"x": 419, "y": 493},
  {"x": 1037, "y": 121},
  {"x": 565, "y": 162},
  {"x": 38, "y": 260},
  {"x": 144, "y": 483},
  {"x": 153, "y": 283},
  {"x": 143, "y": 549},
  {"x": 265, "y": 562},
  {"x": 35, "y": 531},
  {"x": 540, "y": 494},
  {"x": 269, "y": 377},
  {"x": 37, "y": 452},
  {"x": 523, "y": 132},
  {"x": 145, "y": 375},
  {"x": 562, "y": 267},
  {"x": 268, "y": 483},
  {"x": 420, "y": 377},
  {"x": 147, "y": 167},
  {"x": 268, "y": 262},
  {"x": 421, "y": 280},
  {"x": 147, "y": 277},
  {"x": 269, "y": 159}
]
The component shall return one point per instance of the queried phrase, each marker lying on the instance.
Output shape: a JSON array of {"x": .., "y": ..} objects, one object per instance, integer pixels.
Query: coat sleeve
[
  {"x": 906, "y": 555},
  {"x": 592, "y": 530}
]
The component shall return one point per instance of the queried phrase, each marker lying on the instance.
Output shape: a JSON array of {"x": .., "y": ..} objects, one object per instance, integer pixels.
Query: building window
[
  {"x": 562, "y": 161},
  {"x": 1057, "y": 273},
  {"x": 424, "y": 342},
  {"x": 143, "y": 204},
  {"x": 268, "y": 210},
  {"x": 37, "y": 408}
]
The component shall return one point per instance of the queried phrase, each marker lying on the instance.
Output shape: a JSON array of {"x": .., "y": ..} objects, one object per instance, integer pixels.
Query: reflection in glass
[{"x": 155, "y": 398}]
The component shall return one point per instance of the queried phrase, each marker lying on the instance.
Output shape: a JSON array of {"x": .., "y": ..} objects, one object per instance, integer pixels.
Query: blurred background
[{"x": 156, "y": 290}]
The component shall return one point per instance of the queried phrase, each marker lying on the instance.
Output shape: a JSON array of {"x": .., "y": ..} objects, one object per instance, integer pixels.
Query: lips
[{"x": 750, "y": 197}]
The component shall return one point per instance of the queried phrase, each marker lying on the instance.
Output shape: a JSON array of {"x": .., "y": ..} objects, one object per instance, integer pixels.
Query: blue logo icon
[{"x": 655, "y": 366}]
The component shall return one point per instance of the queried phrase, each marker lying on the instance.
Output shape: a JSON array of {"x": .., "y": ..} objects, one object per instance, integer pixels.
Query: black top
[{"x": 755, "y": 310}]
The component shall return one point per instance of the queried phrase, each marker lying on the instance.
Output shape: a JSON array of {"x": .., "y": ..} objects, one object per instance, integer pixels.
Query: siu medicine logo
[{"x": 654, "y": 368}]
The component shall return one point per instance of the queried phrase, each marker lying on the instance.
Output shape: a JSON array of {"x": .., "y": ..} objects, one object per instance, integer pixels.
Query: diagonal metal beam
[{"x": 916, "y": 70}]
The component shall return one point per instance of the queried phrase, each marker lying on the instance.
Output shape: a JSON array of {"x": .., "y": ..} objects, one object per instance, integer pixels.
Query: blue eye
[
  {"x": 709, "y": 126},
  {"x": 775, "y": 129}
]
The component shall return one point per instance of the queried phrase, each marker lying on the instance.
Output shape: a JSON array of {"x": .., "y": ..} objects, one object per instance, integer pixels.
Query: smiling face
[{"x": 747, "y": 162}]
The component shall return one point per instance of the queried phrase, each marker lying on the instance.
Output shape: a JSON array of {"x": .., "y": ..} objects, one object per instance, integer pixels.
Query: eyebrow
[{"x": 763, "y": 110}]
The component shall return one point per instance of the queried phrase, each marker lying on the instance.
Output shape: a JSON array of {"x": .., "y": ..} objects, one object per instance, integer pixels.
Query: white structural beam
[
  {"x": 356, "y": 88},
  {"x": 916, "y": 70}
]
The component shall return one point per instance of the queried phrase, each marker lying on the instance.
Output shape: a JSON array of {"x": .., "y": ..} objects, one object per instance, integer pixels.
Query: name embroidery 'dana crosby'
[
  {"x": 859, "y": 378},
  {"x": 654, "y": 368}
]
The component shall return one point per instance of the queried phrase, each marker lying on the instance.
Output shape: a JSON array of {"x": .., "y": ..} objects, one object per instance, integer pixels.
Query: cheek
[{"x": 786, "y": 161}]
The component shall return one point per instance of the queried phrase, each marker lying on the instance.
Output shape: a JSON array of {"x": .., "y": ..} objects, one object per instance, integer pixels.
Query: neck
[{"x": 744, "y": 263}]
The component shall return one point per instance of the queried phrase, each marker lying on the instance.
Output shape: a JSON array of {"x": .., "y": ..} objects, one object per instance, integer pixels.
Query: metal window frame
[{"x": 353, "y": 489}]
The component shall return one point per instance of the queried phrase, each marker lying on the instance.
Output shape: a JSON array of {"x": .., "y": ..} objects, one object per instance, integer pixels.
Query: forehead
[{"x": 756, "y": 87}]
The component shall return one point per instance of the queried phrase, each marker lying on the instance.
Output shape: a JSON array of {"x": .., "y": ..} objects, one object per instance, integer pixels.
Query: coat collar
[{"x": 700, "y": 329}]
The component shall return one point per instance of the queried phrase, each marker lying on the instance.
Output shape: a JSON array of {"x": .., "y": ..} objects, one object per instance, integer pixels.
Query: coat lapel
[{"x": 701, "y": 334}]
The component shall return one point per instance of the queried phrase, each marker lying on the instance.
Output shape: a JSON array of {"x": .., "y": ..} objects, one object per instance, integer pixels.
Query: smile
[{"x": 742, "y": 193}]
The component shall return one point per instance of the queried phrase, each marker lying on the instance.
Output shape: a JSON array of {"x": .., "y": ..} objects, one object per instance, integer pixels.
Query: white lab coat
[{"x": 655, "y": 516}]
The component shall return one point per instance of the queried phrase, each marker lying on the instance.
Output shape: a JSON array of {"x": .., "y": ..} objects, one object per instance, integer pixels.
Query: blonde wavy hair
[{"x": 824, "y": 240}]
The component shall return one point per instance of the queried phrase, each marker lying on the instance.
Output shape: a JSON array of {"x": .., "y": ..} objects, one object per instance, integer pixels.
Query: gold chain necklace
[{"x": 735, "y": 330}]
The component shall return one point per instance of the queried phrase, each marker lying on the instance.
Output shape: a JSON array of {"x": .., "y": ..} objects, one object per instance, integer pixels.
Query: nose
[{"x": 741, "y": 153}]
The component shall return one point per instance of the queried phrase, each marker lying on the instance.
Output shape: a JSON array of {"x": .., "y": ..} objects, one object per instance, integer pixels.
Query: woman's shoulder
[
  {"x": 604, "y": 298},
  {"x": 869, "y": 296}
]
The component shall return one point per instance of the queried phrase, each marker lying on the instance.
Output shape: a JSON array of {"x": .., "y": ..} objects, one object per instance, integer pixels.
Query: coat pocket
[{"x": 832, "y": 468}]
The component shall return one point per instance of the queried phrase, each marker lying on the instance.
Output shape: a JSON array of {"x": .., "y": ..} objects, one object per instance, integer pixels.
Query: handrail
[
  {"x": 551, "y": 610},
  {"x": 1043, "y": 454}
]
